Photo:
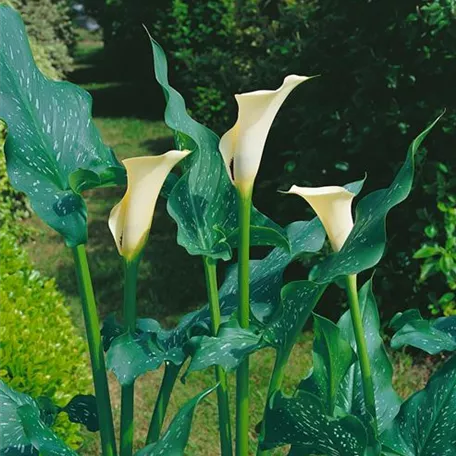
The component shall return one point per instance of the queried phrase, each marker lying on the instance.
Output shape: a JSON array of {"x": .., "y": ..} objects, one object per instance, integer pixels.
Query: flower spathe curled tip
[
  {"x": 131, "y": 219},
  {"x": 333, "y": 206},
  {"x": 243, "y": 144}
]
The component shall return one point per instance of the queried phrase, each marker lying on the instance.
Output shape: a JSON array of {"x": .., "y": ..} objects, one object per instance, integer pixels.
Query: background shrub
[
  {"x": 51, "y": 34},
  {"x": 387, "y": 69}
]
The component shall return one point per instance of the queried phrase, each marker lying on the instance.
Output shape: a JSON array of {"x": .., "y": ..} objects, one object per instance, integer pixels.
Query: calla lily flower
[
  {"x": 243, "y": 144},
  {"x": 131, "y": 219},
  {"x": 333, "y": 206}
]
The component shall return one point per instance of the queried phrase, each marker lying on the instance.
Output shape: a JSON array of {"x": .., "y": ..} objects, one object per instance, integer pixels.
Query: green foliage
[
  {"x": 431, "y": 336},
  {"x": 203, "y": 201},
  {"x": 33, "y": 319},
  {"x": 13, "y": 205},
  {"x": 438, "y": 252},
  {"x": 425, "y": 423},
  {"x": 52, "y": 119},
  {"x": 50, "y": 31},
  {"x": 175, "y": 439}
]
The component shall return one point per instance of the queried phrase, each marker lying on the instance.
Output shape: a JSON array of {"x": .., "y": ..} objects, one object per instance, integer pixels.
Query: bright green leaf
[
  {"x": 426, "y": 425},
  {"x": 53, "y": 149},
  {"x": 174, "y": 440}
]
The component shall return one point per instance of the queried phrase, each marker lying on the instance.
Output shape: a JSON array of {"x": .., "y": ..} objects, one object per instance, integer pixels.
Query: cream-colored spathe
[
  {"x": 244, "y": 142},
  {"x": 333, "y": 206},
  {"x": 130, "y": 220}
]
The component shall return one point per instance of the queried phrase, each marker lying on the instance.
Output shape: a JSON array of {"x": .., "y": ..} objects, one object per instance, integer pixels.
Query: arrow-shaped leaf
[
  {"x": 430, "y": 336},
  {"x": 332, "y": 357},
  {"x": 53, "y": 149},
  {"x": 82, "y": 409},
  {"x": 203, "y": 202},
  {"x": 425, "y": 425},
  {"x": 366, "y": 244},
  {"x": 173, "y": 442},
  {"x": 350, "y": 398}
]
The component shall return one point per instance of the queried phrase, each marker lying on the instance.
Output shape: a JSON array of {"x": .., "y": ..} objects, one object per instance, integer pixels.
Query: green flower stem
[
  {"x": 210, "y": 269},
  {"x": 100, "y": 380},
  {"x": 363, "y": 356},
  {"x": 161, "y": 404},
  {"x": 242, "y": 374},
  {"x": 128, "y": 391}
]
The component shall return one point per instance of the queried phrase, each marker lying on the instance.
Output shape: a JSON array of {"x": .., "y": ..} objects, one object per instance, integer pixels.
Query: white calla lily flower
[
  {"x": 243, "y": 144},
  {"x": 333, "y": 206},
  {"x": 131, "y": 219}
]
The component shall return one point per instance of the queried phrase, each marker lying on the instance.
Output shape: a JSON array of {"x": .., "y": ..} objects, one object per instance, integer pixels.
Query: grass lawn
[{"x": 171, "y": 282}]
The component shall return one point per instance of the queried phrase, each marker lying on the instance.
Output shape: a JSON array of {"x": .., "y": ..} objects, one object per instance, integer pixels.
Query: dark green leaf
[
  {"x": 301, "y": 421},
  {"x": 298, "y": 299},
  {"x": 431, "y": 336},
  {"x": 13, "y": 439},
  {"x": 332, "y": 357},
  {"x": 231, "y": 346},
  {"x": 132, "y": 356},
  {"x": 83, "y": 409},
  {"x": 174, "y": 440},
  {"x": 53, "y": 149},
  {"x": 41, "y": 436},
  {"x": 426, "y": 425},
  {"x": 203, "y": 202},
  {"x": 366, "y": 244},
  {"x": 350, "y": 397}
]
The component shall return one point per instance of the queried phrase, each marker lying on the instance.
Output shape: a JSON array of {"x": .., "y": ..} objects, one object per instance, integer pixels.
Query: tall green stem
[
  {"x": 210, "y": 269},
  {"x": 161, "y": 404},
  {"x": 108, "y": 440},
  {"x": 242, "y": 374},
  {"x": 363, "y": 356},
  {"x": 128, "y": 391}
]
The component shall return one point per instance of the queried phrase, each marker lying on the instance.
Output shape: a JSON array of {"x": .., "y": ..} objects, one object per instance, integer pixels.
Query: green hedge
[{"x": 40, "y": 352}]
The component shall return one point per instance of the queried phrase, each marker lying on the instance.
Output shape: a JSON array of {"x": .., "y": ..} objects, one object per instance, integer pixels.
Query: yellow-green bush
[{"x": 41, "y": 353}]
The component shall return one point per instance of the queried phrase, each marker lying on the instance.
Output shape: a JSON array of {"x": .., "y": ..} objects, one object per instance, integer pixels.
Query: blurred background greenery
[{"x": 386, "y": 70}]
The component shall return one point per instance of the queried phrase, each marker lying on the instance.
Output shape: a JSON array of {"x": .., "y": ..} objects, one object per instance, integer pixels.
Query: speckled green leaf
[
  {"x": 132, "y": 356},
  {"x": 174, "y": 440},
  {"x": 366, "y": 244},
  {"x": 13, "y": 440},
  {"x": 426, "y": 424},
  {"x": 431, "y": 336},
  {"x": 53, "y": 149},
  {"x": 350, "y": 397},
  {"x": 301, "y": 421},
  {"x": 82, "y": 409},
  {"x": 203, "y": 202},
  {"x": 40, "y": 435},
  {"x": 231, "y": 346},
  {"x": 332, "y": 357},
  {"x": 298, "y": 299},
  {"x": 265, "y": 284}
]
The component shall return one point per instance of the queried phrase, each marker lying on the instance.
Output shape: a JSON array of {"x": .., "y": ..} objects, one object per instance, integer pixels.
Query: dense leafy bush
[
  {"x": 384, "y": 67},
  {"x": 40, "y": 353},
  {"x": 51, "y": 34}
]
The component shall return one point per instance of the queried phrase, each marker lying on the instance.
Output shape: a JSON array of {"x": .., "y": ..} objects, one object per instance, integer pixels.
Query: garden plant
[{"x": 345, "y": 406}]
